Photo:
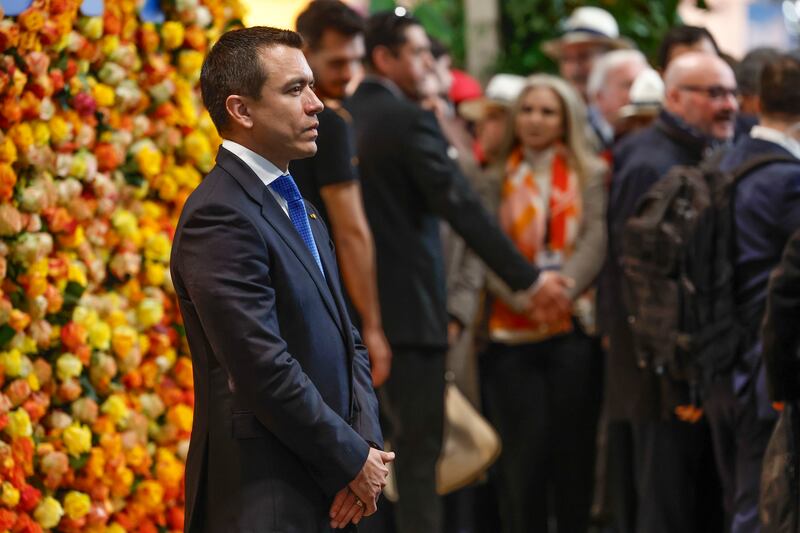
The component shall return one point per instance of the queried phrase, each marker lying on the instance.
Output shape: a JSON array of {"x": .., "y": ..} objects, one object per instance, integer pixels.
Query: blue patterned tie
[{"x": 286, "y": 187}]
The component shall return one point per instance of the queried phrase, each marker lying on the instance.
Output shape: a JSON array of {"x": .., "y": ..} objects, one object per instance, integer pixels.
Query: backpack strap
[{"x": 759, "y": 161}]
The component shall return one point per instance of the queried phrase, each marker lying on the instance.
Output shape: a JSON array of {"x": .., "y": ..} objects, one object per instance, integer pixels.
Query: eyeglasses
[{"x": 715, "y": 92}]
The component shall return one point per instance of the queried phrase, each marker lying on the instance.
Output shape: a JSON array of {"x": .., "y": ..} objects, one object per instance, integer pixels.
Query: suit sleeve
[
  {"x": 448, "y": 194},
  {"x": 366, "y": 421},
  {"x": 781, "y": 336},
  {"x": 227, "y": 277}
]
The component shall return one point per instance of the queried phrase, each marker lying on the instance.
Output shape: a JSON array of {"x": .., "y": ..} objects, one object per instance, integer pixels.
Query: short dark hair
[
  {"x": 388, "y": 29},
  {"x": 234, "y": 66},
  {"x": 686, "y": 35},
  {"x": 438, "y": 48},
  {"x": 780, "y": 79},
  {"x": 322, "y": 15},
  {"x": 748, "y": 71}
]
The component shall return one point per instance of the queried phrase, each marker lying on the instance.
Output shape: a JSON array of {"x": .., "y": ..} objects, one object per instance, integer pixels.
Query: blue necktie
[{"x": 286, "y": 187}]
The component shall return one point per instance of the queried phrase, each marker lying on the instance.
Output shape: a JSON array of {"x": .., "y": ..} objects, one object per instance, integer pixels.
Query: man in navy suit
[{"x": 286, "y": 435}]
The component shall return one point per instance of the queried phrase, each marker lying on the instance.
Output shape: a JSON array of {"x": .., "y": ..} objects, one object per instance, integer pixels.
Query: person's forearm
[{"x": 356, "y": 254}]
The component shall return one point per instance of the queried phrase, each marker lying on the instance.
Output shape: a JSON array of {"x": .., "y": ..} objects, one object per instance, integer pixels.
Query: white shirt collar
[
  {"x": 764, "y": 133},
  {"x": 266, "y": 171}
]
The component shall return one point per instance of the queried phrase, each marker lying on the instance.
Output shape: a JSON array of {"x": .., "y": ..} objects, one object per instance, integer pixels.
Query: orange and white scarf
[{"x": 536, "y": 225}]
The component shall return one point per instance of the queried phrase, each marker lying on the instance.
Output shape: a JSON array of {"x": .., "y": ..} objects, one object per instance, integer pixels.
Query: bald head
[{"x": 701, "y": 90}]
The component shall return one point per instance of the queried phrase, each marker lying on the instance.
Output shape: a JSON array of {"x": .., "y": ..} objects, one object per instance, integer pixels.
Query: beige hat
[
  {"x": 646, "y": 95},
  {"x": 587, "y": 25},
  {"x": 502, "y": 90}
]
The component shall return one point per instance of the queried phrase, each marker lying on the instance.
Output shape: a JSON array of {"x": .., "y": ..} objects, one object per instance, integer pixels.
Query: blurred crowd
[{"x": 481, "y": 237}]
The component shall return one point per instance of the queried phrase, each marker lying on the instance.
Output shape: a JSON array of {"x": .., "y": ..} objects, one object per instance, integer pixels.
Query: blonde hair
[{"x": 580, "y": 149}]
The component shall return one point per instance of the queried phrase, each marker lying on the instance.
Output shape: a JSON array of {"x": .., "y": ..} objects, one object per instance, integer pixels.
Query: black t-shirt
[{"x": 334, "y": 162}]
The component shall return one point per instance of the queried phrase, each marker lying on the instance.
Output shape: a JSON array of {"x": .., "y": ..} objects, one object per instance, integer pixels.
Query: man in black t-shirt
[{"x": 334, "y": 48}]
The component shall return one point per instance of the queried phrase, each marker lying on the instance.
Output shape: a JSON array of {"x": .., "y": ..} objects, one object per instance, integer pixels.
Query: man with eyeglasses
[
  {"x": 766, "y": 213},
  {"x": 671, "y": 451}
]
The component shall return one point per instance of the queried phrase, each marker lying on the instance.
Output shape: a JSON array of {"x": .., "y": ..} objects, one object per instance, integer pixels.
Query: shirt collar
[
  {"x": 387, "y": 83},
  {"x": 778, "y": 137},
  {"x": 266, "y": 171}
]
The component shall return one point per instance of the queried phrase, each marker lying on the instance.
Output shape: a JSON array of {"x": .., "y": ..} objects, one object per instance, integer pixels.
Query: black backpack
[{"x": 678, "y": 282}]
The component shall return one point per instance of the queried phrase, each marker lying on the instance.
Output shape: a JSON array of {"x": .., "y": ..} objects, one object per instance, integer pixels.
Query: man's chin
[{"x": 307, "y": 151}]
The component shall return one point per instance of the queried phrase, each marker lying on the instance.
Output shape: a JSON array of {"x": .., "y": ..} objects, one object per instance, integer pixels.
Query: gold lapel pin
[{"x": 313, "y": 215}]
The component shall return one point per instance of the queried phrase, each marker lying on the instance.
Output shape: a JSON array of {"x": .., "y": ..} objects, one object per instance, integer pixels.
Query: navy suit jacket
[
  {"x": 766, "y": 214},
  {"x": 284, "y": 407}
]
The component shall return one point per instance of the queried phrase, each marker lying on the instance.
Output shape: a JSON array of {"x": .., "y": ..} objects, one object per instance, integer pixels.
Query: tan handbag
[{"x": 470, "y": 446}]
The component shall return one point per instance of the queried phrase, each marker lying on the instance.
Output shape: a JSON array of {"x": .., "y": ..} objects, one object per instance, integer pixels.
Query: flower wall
[{"x": 102, "y": 137}]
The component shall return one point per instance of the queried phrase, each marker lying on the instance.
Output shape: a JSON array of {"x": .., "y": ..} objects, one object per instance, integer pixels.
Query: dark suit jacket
[
  {"x": 781, "y": 331},
  {"x": 284, "y": 407},
  {"x": 409, "y": 182}
]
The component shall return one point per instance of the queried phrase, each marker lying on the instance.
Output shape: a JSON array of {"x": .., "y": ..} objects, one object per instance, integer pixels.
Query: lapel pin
[{"x": 313, "y": 215}]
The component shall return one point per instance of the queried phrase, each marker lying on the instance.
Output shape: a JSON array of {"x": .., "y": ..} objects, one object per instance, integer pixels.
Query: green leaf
[{"x": 6, "y": 334}]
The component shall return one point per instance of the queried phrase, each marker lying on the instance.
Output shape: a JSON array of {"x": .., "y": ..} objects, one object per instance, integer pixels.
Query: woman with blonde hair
[{"x": 543, "y": 380}]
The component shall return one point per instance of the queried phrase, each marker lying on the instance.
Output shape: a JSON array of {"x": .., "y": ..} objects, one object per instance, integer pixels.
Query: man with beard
[
  {"x": 671, "y": 447},
  {"x": 334, "y": 48}
]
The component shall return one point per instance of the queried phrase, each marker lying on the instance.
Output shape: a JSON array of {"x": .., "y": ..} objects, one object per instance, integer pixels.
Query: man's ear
[
  {"x": 238, "y": 111},
  {"x": 382, "y": 58}
]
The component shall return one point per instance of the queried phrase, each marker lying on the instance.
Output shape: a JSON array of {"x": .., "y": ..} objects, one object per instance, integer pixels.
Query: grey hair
[{"x": 607, "y": 63}]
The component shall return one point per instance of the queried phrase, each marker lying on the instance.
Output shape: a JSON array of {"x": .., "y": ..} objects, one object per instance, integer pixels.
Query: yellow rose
[
  {"x": 41, "y": 133},
  {"x": 116, "y": 408},
  {"x": 150, "y": 494},
  {"x": 85, "y": 316},
  {"x": 157, "y": 248},
  {"x": 77, "y": 504},
  {"x": 172, "y": 34},
  {"x": 68, "y": 366},
  {"x": 196, "y": 145},
  {"x": 150, "y": 312},
  {"x": 155, "y": 273},
  {"x": 115, "y": 528},
  {"x": 12, "y": 363},
  {"x": 167, "y": 188},
  {"x": 48, "y": 513},
  {"x": 103, "y": 94},
  {"x": 123, "y": 340},
  {"x": 8, "y": 151},
  {"x": 110, "y": 44},
  {"x": 22, "y": 135},
  {"x": 100, "y": 336},
  {"x": 60, "y": 130},
  {"x": 181, "y": 416},
  {"x": 78, "y": 439},
  {"x": 136, "y": 456},
  {"x": 19, "y": 424},
  {"x": 169, "y": 470},
  {"x": 33, "y": 382},
  {"x": 116, "y": 318},
  {"x": 124, "y": 222},
  {"x": 92, "y": 27},
  {"x": 149, "y": 160},
  {"x": 76, "y": 273},
  {"x": 189, "y": 63},
  {"x": 9, "y": 495}
]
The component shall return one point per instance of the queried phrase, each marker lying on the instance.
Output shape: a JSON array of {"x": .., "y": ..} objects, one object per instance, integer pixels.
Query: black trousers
[
  {"x": 544, "y": 400},
  {"x": 415, "y": 392},
  {"x": 676, "y": 481},
  {"x": 740, "y": 440}
]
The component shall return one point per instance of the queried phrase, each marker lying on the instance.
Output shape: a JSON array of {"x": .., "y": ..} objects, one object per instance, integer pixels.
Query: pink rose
[
  {"x": 11, "y": 220},
  {"x": 84, "y": 104}
]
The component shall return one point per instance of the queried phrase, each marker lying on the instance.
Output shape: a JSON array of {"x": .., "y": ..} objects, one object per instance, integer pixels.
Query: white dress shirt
[
  {"x": 266, "y": 171},
  {"x": 791, "y": 144}
]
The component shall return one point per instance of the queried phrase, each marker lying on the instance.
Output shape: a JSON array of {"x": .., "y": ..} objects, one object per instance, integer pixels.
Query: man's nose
[{"x": 314, "y": 104}]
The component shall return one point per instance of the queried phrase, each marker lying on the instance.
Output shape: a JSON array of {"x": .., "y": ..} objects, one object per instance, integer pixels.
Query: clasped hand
[
  {"x": 548, "y": 300},
  {"x": 360, "y": 497}
]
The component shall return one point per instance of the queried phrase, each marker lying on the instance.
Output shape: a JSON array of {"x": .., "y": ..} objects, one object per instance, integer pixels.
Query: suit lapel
[
  {"x": 281, "y": 223},
  {"x": 332, "y": 275}
]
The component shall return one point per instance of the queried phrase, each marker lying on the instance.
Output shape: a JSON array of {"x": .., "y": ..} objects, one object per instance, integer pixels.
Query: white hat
[
  {"x": 587, "y": 25},
  {"x": 502, "y": 90},
  {"x": 646, "y": 95}
]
